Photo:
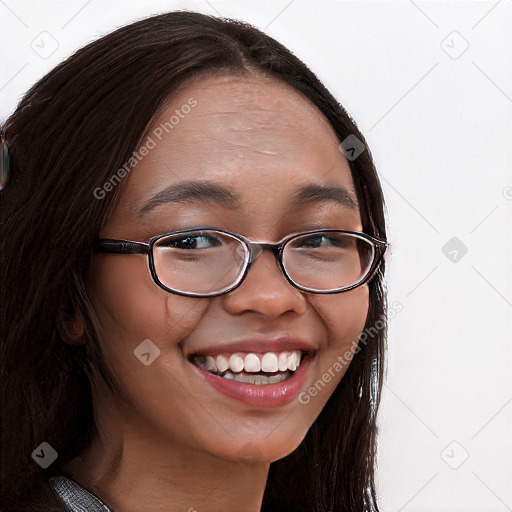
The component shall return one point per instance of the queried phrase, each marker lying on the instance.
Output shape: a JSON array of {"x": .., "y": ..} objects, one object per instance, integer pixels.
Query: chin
[{"x": 263, "y": 450}]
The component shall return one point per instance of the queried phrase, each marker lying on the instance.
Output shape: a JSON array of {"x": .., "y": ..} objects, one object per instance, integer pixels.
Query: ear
[{"x": 72, "y": 330}]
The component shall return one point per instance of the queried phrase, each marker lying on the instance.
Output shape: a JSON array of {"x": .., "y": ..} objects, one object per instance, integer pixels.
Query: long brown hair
[{"x": 69, "y": 134}]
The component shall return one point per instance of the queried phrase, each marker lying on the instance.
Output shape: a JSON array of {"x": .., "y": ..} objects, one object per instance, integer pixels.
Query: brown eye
[{"x": 190, "y": 242}]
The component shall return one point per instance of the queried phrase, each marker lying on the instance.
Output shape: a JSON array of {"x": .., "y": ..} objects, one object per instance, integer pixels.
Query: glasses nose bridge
[{"x": 256, "y": 248}]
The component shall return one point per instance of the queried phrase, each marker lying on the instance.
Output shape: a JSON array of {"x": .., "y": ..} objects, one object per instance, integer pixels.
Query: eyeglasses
[{"x": 206, "y": 262}]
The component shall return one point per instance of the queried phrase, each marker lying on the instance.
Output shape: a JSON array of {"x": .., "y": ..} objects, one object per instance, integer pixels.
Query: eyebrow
[
  {"x": 208, "y": 191},
  {"x": 314, "y": 193},
  {"x": 190, "y": 191}
]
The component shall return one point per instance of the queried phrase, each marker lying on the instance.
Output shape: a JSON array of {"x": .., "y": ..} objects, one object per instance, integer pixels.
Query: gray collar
[{"x": 76, "y": 497}]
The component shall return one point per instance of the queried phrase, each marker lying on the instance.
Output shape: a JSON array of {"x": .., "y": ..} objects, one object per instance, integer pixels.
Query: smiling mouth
[{"x": 252, "y": 368}]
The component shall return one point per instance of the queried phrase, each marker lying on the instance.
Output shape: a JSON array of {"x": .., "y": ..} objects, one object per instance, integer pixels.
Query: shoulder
[
  {"x": 59, "y": 494},
  {"x": 41, "y": 499}
]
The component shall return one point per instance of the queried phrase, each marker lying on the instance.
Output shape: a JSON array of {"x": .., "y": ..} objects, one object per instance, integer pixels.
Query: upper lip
[{"x": 257, "y": 344}]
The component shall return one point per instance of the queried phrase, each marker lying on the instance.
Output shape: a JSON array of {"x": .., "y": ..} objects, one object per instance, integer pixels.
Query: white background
[{"x": 439, "y": 123}]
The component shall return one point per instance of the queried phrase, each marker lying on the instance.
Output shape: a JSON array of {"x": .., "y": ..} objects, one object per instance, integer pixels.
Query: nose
[{"x": 265, "y": 289}]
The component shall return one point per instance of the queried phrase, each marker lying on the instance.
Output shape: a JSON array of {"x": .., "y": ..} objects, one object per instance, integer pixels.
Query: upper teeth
[{"x": 267, "y": 362}]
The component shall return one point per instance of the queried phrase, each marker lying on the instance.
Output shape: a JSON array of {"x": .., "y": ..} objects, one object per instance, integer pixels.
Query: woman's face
[{"x": 263, "y": 141}]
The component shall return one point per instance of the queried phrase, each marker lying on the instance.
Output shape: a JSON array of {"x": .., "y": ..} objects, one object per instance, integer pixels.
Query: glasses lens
[
  {"x": 328, "y": 260},
  {"x": 199, "y": 262}
]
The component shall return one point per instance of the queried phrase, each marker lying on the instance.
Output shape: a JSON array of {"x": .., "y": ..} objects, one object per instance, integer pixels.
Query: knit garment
[{"x": 76, "y": 498}]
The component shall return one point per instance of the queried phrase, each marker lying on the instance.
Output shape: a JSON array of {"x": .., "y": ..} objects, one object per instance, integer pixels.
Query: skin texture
[{"x": 170, "y": 441}]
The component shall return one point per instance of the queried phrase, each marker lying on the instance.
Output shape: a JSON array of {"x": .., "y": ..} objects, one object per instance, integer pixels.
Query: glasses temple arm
[{"x": 110, "y": 245}]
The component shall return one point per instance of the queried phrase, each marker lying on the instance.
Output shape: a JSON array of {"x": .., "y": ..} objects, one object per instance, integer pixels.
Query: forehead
[{"x": 256, "y": 134}]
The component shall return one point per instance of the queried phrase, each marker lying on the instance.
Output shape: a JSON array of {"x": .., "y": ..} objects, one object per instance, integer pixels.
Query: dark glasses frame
[{"x": 253, "y": 249}]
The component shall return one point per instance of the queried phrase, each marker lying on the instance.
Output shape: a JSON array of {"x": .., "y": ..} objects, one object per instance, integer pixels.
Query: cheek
[
  {"x": 132, "y": 308},
  {"x": 343, "y": 317}
]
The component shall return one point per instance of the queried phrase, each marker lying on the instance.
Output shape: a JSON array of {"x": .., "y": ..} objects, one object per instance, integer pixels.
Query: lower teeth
[{"x": 257, "y": 379}]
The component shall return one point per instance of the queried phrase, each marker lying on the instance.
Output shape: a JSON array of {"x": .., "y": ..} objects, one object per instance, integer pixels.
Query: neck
[{"x": 132, "y": 468}]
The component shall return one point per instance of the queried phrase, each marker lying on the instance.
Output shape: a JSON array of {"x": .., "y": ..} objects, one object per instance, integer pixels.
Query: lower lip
[{"x": 263, "y": 395}]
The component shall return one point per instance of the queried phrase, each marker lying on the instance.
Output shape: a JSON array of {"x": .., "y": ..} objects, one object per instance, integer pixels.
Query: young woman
[{"x": 193, "y": 310}]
